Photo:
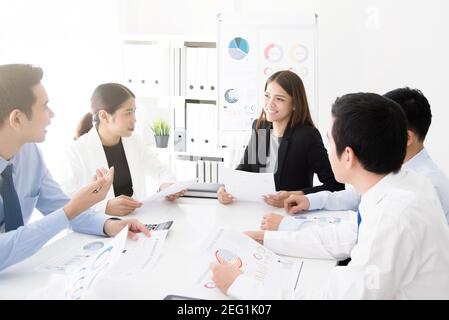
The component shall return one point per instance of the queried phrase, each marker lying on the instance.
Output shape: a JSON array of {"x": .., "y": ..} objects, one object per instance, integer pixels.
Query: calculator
[{"x": 160, "y": 226}]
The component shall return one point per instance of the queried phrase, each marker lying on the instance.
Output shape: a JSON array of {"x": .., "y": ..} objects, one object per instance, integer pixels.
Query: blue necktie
[
  {"x": 11, "y": 204},
  {"x": 359, "y": 220}
]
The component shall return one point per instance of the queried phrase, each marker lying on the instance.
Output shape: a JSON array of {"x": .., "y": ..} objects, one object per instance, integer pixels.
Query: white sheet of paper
[
  {"x": 274, "y": 272},
  {"x": 174, "y": 188},
  {"x": 248, "y": 186},
  {"x": 73, "y": 257},
  {"x": 139, "y": 255},
  {"x": 81, "y": 280}
]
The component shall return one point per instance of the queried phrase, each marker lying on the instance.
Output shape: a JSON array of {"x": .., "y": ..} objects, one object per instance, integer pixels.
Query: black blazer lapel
[
  {"x": 263, "y": 144},
  {"x": 282, "y": 155}
]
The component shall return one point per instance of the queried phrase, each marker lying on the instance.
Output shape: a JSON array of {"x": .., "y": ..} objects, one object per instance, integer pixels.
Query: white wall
[
  {"x": 364, "y": 45},
  {"x": 77, "y": 44}
]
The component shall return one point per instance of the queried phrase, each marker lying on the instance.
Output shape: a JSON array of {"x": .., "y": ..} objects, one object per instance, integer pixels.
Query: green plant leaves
[{"x": 160, "y": 127}]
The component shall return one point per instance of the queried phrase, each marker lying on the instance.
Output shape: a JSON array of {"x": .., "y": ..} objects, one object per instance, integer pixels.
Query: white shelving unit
[{"x": 175, "y": 78}]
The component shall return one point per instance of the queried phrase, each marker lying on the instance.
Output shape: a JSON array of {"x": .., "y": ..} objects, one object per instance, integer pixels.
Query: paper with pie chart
[
  {"x": 81, "y": 280},
  {"x": 255, "y": 260},
  {"x": 73, "y": 258}
]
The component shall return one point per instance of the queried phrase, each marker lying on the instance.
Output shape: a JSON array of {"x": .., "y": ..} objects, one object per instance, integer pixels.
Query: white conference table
[{"x": 178, "y": 267}]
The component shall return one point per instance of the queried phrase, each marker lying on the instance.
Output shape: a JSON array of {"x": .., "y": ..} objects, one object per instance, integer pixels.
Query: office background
[{"x": 363, "y": 45}]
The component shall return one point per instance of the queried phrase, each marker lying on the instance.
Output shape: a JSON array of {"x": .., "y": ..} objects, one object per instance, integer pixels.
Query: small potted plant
[{"x": 161, "y": 131}]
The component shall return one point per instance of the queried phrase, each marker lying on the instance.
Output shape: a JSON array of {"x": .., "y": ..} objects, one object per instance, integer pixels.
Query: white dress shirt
[
  {"x": 402, "y": 249},
  {"x": 349, "y": 199},
  {"x": 82, "y": 157},
  {"x": 423, "y": 164}
]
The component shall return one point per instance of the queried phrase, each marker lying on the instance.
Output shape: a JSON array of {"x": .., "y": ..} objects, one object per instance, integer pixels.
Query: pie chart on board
[{"x": 238, "y": 48}]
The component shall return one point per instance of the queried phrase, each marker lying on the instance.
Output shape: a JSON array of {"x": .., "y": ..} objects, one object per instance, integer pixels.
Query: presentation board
[{"x": 250, "y": 49}]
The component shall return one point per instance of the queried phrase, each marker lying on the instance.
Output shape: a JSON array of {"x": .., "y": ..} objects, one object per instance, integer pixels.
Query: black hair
[
  {"x": 416, "y": 108},
  {"x": 375, "y": 128},
  {"x": 16, "y": 88},
  {"x": 108, "y": 97}
]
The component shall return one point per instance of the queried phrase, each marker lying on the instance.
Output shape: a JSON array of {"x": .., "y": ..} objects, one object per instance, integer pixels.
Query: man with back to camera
[
  {"x": 26, "y": 183},
  {"x": 399, "y": 247},
  {"x": 419, "y": 117}
]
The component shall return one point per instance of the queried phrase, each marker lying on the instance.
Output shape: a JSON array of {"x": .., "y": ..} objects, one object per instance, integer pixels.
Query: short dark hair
[
  {"x": 16, "y": 88},
  {"x": 375, "y": 127},
  {"x": 416, "y": 108}
]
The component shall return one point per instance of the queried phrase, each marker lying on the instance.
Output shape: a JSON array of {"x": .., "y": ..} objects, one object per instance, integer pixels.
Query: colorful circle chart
[
  {"x": 299, "y": 53},
  {"x": 273, "y": 53},
  {"x": 257, "y": 256},
  {"x": 224, "y": 255},
  {"x": 268, "y": 71},
  {"x": 238, "y": 48},
  {"x": 231, "y": 96},
  {"x": 210, "y": 285},
  {"x": 300, "y": 71},
  {"x": 249, "y": 109}
]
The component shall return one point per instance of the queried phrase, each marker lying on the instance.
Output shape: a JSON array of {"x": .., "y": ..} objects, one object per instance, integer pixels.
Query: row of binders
[
  {"x": 208, "y": 171},
  {"x": 203, "y": 171},
  {"x": 201, "y": 73}
]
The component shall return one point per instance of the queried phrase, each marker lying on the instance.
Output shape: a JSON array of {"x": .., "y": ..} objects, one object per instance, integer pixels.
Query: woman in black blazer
[{"x": 285, "y": 141}]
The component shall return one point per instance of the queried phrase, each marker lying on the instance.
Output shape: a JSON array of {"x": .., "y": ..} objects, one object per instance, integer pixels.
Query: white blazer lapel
[
  {"x": 95, "y": 155},
  {"x": 133, "y": 152}
]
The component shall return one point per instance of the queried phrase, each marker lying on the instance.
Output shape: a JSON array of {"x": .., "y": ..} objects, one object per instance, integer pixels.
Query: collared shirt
[
  {"x": 401, "y": 252},
  {"x": 423, "y": 164},
  {"x": 349, "y": 199},
  {"x": 36, "y": 188}
]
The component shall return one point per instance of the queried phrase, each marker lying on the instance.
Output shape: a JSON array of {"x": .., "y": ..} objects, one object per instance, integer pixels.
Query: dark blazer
[{"x": 301, "y": 154}]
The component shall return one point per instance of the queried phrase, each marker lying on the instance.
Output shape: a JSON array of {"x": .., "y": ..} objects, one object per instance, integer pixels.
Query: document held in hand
[
  {"x": 248, "y": 186},
  {"x": 174, "y": 188},
  {"x": 275, "y": 273}
]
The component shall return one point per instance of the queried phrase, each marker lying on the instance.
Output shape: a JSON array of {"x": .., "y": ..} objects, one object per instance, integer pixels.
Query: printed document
[
  {"x": 274, "y": 272},
  {"x": 174, "y": 188},
  {"x": 248, "y": 186}
]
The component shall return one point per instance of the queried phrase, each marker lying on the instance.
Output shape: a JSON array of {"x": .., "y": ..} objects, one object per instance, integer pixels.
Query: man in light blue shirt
[
  {"x": 419, "y": 117},
  {"x": 26, "y": 183}
]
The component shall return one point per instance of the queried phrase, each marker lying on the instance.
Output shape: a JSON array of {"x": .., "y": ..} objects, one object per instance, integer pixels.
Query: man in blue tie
[
  {"x": 26, "y": 183},
  {"x": 398, "y": 246}
]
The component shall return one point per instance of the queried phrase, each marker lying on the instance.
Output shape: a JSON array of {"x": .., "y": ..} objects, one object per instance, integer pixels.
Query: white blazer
[{"x": 82, "y": 157}]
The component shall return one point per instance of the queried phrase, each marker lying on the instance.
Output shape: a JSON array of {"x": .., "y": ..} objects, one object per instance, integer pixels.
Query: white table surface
[{"x": 175, "y": 272}]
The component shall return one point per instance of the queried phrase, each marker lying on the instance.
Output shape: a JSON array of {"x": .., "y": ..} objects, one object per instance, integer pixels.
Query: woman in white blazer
[{"x": 111, "y": 143}]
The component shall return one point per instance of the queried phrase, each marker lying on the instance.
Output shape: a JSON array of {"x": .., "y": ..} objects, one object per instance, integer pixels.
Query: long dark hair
[
  {"x": 292, "y": 84},
  {"x": 108, "y": 97}
]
